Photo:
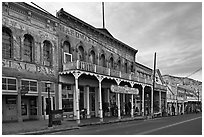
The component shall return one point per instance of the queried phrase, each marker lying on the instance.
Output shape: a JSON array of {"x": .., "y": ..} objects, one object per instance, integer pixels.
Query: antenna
[{"x": 103, "y": 14}]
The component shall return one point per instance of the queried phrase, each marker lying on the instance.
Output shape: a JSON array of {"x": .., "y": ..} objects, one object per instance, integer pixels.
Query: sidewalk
[{"x": 41, "y": 127}]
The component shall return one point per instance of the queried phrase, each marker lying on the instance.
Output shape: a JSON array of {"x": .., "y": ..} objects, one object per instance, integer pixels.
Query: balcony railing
[{"x": 80, "y": 65}]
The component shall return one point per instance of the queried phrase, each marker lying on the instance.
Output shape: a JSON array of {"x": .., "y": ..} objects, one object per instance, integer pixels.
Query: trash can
[{"x": 57, "y": 117}]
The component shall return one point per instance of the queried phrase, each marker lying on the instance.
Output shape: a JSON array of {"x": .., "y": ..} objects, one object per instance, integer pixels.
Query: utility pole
[
  {"x": 103, "y": 15},
  {"x": 153, "y": 83}
]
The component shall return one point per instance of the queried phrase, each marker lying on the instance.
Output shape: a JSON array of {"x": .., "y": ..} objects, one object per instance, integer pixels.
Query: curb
[
  {"x": 109, "y": 122},
  {"x": 51, "y": 130},
  {"x": 40, "y": 132}
]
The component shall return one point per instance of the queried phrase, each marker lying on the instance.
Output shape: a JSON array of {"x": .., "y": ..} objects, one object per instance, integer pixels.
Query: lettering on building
[{"x": 22, "y": 66}]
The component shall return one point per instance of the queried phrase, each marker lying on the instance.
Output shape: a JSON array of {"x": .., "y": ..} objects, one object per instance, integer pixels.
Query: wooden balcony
[{"x": 85, "y": 66}]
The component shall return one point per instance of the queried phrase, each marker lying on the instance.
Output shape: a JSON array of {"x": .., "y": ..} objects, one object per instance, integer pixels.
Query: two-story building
[{"x": 90, "y": 70}]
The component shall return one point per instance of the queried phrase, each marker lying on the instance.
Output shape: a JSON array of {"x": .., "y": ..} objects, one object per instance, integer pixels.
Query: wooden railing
[{"x": 85, "y": 66}]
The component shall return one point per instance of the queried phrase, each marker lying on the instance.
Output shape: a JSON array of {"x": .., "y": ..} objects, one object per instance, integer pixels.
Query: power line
[{"x": 194, "y": 72}]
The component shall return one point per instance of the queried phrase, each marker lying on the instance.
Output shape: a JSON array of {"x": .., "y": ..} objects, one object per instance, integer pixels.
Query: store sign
[
  {"x": 124, "y": 89},
  {"x": 23, "y": 66}
]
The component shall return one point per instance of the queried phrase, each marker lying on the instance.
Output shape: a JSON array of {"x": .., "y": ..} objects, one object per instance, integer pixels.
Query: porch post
[
  {"x": 60, "y": 95},
  {"x": 76, "y": 75},
  {"x": 87, "y": 99},
  {"x": 108, "y": 92},
  {"x": 152, "y": 97},
  {"x": 123, "y": 104},
  {"x": 132, "y": 111},
  {"x": 143, "y": 86},
  {"x": 160, "y": 102},
  {"x": 118, "y": 100},
  {"x": 100, "y": 102}
]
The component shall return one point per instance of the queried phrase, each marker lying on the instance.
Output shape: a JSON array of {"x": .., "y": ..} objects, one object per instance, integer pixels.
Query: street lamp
[{"x": 49, "y": 104}]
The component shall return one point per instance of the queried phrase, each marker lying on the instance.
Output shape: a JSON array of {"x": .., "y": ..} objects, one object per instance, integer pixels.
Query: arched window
[
  {"x": 131, "y": 68},
  {"x": 28, "y": 48},
  {"x": 126, "y": 67},
  {"x": 67, "y": 52},
  {"x": 92, "y": 57},
  {"x": 111, "y": 63},
  {"x": 7, "y": 43},
  {"x": 81, "y": 53},
  {"x": 103, "y": 60},
  {"x": 119, "y": 65},
  {"x": 47, "y": 53}
]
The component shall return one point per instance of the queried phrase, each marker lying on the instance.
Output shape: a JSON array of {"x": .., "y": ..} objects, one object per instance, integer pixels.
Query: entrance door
[
  {"x": 92, "y": 101},
  {"x": 46, "y": 109},
  {"x": 24, "y": 109}
]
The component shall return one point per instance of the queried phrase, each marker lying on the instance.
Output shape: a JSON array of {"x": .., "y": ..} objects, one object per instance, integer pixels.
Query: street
[{"x": 188, "y": 124}]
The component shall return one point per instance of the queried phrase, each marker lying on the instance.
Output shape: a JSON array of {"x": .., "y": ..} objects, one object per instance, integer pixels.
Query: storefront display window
[{"x": 67, "y": 98}]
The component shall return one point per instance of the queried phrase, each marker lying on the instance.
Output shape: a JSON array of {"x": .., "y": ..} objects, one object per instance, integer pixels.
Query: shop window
[
  {"x": 28, "y": 48},
  {"x": 7, "y": 43},
  {"x": 9, "y": 84},
  {"x": 67, "y": 98},
  {"x": 10, "y": 100},
  {"x": 33, "y": 106},
  {"x": 47, "y": 53},
  {"x": 29, "y": 85}
]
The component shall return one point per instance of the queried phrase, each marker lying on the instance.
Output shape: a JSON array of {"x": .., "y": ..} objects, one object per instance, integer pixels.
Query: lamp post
[{"x": 49, "y": 104}]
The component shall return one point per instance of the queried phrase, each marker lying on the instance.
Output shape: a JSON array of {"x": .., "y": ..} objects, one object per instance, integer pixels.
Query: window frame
[
  {"x": 8, "y": 32},
  {"x": 10, "y": 84},
  {"x": 30, "y": 80},
  {"x": 69, "y": 54}
]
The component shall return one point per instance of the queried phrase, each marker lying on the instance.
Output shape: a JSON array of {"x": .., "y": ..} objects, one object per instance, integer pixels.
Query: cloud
[{"x": 172, "y": 29}]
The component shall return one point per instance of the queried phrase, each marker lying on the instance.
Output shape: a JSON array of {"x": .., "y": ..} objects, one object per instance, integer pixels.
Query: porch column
[
  {"x": 87, "y": 99},
  {"x": 19, "y": 101},
  {"x": 152, "y": 97},
  {"x": 60, "y": 95},
  {"x": 108, "y": 94},
  {"x": 183, "y": 107},
  {"x": 160, "y": 102},
  {"x": 124, "y": 104},
  {"x": 132, "y": 110},
  {"x": 118, "y": 100},
  {"x": 100, "y": 102},
  {"x": 143, "y": 86},
  {"x": 76, "y": 75}
]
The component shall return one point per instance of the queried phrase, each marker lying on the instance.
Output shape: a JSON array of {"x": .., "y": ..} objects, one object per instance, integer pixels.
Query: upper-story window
[
  {"x": 67, "y": 52},
  {"x": 7, "y": 43},
  {"x": 111, "y": 63},
  {"x": 28, "y": 48},
  {"x": 81, "y": 53},
  {"x": 126, "y": 67},
  {"x": 103, "y": 61},
  {"x": 131, "y": 68},
  {"x": 47, "y": 53},
  {"x": 92, "y": 57},
  {"x": 119, "y": 65}
]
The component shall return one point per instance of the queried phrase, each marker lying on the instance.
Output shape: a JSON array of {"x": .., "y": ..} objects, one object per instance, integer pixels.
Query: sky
[{"x": 171, "y": 29}]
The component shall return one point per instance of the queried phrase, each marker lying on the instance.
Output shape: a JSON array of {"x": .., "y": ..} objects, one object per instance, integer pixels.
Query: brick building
[{"x": 89, "y": 69}]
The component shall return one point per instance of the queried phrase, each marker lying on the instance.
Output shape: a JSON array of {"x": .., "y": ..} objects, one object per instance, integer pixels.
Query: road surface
[{"x": 188, "y": 124}]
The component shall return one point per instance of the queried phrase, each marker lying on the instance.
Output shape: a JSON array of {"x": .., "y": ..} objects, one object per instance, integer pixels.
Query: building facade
[
  {"x": 92, "y": 73},
  {"x": 183, "y": 95}
]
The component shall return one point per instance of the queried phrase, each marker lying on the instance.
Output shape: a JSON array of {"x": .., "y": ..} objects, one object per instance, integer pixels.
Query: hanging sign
[{"x": 124, "y": 89}]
